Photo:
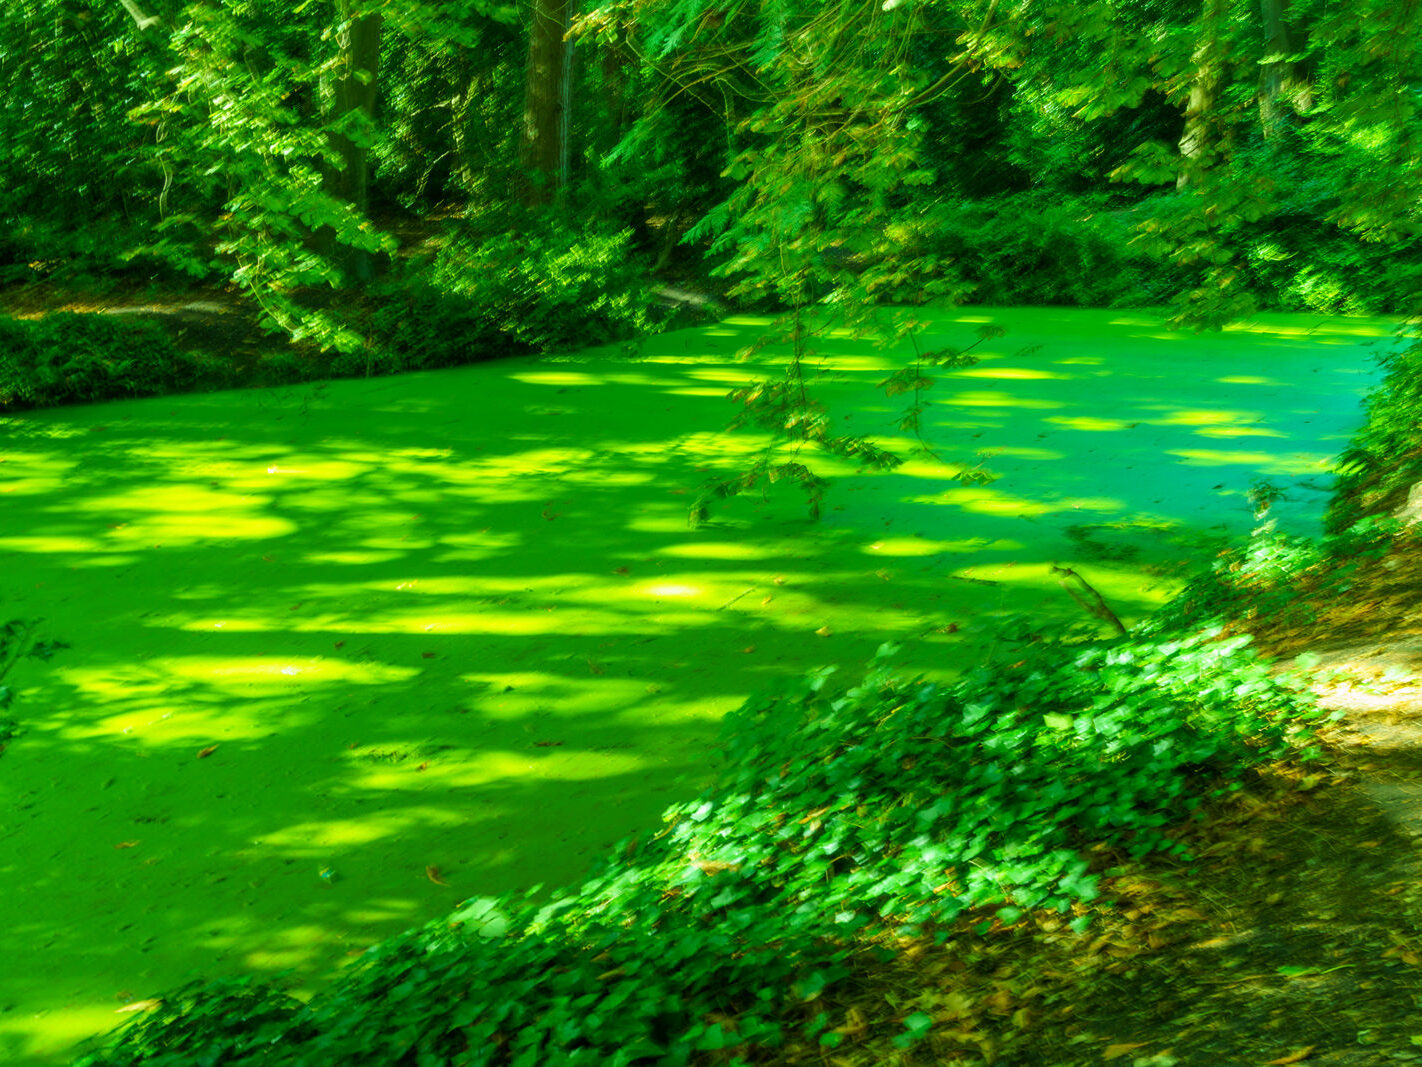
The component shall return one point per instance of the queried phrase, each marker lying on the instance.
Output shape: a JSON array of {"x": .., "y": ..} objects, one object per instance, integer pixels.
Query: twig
[
  {"x": 1097, "y": 606},
  {"x": 744, "y": 592}
]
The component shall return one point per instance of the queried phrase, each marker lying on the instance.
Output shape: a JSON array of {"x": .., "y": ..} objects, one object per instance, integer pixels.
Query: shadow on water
[{"x": 345, "y": 654}]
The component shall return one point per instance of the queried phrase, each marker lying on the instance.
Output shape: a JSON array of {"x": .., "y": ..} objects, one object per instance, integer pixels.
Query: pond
[{"x": 344, "y": 654}]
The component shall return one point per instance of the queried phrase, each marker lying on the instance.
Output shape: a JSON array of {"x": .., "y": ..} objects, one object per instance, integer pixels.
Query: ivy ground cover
[{"x": 346, "y": 654}]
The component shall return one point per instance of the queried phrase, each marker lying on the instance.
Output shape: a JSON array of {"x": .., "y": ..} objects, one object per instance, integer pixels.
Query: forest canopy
[{"x": 1221, "y": 155}]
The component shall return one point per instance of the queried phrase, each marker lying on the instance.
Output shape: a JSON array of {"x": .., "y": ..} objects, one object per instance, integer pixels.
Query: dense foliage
[
  {"x": 1384, "y": 460},
  {"x": 841, "y": 809},
  {"x": 402, "y": 184},
  {"x": 1257, "y": 148},
  {"x": 69, "y": 358},
  {"x": 509, "y": 177}
]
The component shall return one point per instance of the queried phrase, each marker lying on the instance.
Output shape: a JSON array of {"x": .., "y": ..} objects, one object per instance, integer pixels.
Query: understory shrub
[
  {"x": 547, "y": 286},
  {"x": 67, "y": 358},
  {"x": 1274, "y": 576},
  {"x": 489, "y": 293},
  {"x": 55, "y": 249},
  {"x": 413, "y": 326},
  {"x": 841, "y": 808},
  {"x": 1033, "y": 249},
  {"x": 1384, "y": 459}
]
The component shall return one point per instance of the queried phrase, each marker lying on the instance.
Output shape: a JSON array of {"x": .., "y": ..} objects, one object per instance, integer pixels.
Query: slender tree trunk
[
  {"x": 354, "y": 91},
  {"x": 615, "y": 60},
  {"x": 1197, "y": 142},
  {"x": 565, "y": 117},
  {"x": 461, "y": 115},
  {"x": 1281, "y": 77},
  {"x": 545, "y": 102}
]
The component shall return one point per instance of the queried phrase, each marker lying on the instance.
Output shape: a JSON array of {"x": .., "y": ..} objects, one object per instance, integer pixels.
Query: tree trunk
[
  {"x": 1281, "y": 78},
  {"x": 1197, "y": 142},
  {"x": 545, "y": 102},
  {"x": 354, "y": 91}
]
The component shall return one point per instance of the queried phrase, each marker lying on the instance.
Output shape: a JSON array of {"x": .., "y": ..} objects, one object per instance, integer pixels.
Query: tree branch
[{"x": 145, "y": 22}]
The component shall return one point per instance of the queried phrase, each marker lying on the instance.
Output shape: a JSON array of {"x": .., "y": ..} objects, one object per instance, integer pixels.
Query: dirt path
[{"x": 1308, "y": 943}]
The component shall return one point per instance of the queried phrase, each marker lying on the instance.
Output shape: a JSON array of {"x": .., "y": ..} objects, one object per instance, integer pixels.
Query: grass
[{"x": 450, "y": 633}]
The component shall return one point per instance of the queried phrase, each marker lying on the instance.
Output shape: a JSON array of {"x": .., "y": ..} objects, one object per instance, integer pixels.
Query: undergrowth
[
  {"x": 846, "y": 808},
  {"x": 1278, "y": 577},
  {"x": 1384, "y": 458},
  {"x": 67, "y": 358}
]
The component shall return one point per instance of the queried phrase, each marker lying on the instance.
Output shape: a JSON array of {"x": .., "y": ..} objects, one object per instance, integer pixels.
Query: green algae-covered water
[{"x": 345, "y": 654}]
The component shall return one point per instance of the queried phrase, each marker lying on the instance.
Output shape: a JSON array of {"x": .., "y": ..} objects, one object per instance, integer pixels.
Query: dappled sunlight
[
  {"x": 918, "y": 546},
  {"x": 1027, "y": 452},
  {"x": 414, "y": 639},
  {"x": 297, "y": 947},
  {"x": 551, "y": 377},
  {"x": 1016, "y": 373},
  {"x": 1210, "y": 417},
  {"x": 52, "y": 545},
  {"x": 1239, "y": 431},
  {"x": 169, "y": 715},
  {"x": 983, "y": 398},
  {"x": 724, "y": 550},
  {"x": 323, "y": 470},
  {"x": 1089, "y": 423},
  {"x": 316, "y": 839},
  {"x": 926, "y": 468},
  {"x": 989, "y": 501},
  {"x": 1297, "y": 465},
  {"x": 553, "y": 763},
  {"x": 34, "y": 472},
  {"x": 376, "y": 556},
  {"x": 51, "y": 1032},
  {"x": 1318, "y": 328}
]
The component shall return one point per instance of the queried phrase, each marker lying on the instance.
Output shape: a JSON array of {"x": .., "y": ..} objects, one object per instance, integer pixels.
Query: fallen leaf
[
  {"x": 1115, "y": 1052},
  {"x": 295, "y": 606},
  {"x": 1292, "y": 1057},
  {"x": 340, "y": 644},
  {"x": 138, "y": 1005},
  {"x": 208, "y": 751},
  {"x": 594, "y": 667},
  {"x": 622, "y": 570},
  {"x": 1000, "y": 1002},
  {"x": 127, "y": 844},
  {"x": 422, "y": 766},
  {"x": 778, "y": 580},
  {"x": 432, "y": 873},
  {"x": 824, "y": 631},
  {"x": 748, "y": 649},
  {"x": 547, "y": 744},
  {"x": 428, "y": 655}
]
